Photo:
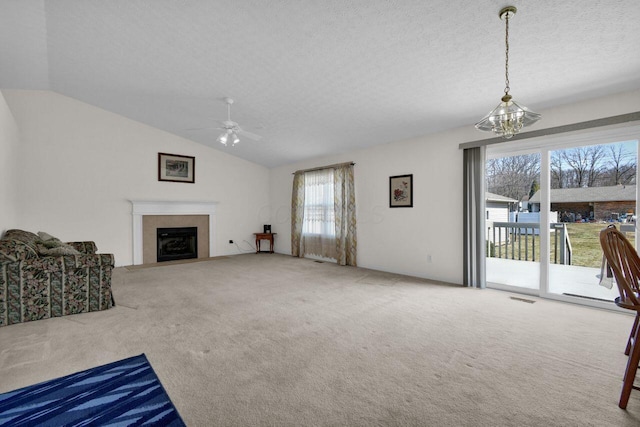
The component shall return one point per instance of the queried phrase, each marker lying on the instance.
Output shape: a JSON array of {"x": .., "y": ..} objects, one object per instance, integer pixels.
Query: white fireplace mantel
[{"x": 153, "y": 207}]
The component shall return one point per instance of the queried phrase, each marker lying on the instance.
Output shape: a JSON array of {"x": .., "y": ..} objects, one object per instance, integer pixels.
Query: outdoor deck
[{"x": 563, "y": 279}]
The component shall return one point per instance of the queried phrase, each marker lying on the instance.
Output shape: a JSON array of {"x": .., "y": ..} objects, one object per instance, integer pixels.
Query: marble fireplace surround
[{"x": 142, "y": 208}]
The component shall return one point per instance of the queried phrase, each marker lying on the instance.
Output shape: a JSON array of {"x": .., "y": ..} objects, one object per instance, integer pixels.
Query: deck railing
[{"x": 521, "y": 241}]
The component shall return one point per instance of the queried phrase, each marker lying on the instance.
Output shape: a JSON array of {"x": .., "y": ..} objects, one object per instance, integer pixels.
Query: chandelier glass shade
[{"x": 509, "y": 117}]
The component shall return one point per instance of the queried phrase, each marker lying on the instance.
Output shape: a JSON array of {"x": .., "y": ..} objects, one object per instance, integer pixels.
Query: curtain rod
[
  {"x": 323, "y": 167},
  {"x": 614, "y": 120}
]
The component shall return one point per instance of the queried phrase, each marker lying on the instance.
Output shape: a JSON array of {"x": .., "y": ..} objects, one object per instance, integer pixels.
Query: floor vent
[
  {"x": 591, "y": 298},
  {"x": 530, "y": 301}
]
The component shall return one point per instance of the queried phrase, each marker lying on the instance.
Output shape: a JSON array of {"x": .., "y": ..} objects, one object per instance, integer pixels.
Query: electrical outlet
[{"x": 230, "y": 242}]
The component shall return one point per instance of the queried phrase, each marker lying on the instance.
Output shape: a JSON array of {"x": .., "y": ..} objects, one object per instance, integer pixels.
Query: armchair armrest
[
  {"x": 89, "y": 260},
  {"x": 84, "y": 247}
]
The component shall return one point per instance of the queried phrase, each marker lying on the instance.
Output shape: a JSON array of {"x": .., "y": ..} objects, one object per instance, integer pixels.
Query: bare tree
[
  {"x": 621, "y": 165},
  {"x": 585, "y": 163},
  {"x": 558, "y": 174},
  {"x": 588, "y": 166},
  {"x": 593, "y": 166},
  {"x": 513, "y": 176}
]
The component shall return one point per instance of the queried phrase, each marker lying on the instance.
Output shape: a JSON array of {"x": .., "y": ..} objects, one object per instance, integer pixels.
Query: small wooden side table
[{"x": 264, "y": 236}]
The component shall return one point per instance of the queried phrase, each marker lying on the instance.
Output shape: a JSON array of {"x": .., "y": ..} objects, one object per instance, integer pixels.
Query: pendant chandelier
[{"x": 508, "y": 118}]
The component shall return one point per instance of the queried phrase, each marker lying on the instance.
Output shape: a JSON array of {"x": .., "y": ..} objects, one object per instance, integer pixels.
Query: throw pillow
[
  {"x": 63, "y": 249},
  {"x": 46, "y": 236},
  {"x": 21, "y": 235},
  {"x": 52, "y": 246}
]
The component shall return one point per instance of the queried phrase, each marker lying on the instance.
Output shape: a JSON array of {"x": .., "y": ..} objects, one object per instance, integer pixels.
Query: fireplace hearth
[
  {"x": 177, "y": 243},
  {"x": 149, "y": 215}
]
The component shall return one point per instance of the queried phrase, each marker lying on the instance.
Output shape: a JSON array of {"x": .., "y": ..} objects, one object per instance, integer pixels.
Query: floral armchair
[{"x": 41, "y": 277}]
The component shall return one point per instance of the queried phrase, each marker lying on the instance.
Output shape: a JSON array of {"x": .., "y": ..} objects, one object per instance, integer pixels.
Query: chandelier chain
[
  {"x": 506, "y": 62},
  {"x": 508, "y": 118}
]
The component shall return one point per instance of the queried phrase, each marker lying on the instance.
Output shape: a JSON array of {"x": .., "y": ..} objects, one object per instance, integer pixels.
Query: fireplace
[
  {"x": 148, "y": 215},
  {"x": 177, "y": 243}
]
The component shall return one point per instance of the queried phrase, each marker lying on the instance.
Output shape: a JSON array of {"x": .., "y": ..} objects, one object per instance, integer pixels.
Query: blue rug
[{"x": 123, "y": 393}]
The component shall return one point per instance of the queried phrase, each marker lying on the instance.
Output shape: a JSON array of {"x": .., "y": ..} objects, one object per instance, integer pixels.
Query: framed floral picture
[
  {"x": 401, "y": 191},
  {"x": 176, "y": 168}
]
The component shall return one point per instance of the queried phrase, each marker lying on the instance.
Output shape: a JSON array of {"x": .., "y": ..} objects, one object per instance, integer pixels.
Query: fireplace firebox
[{"x": 177, "y": 243}]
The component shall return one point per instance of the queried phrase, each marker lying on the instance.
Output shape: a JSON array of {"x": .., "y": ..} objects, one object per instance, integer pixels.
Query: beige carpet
[{"x": 273, "y": 340}]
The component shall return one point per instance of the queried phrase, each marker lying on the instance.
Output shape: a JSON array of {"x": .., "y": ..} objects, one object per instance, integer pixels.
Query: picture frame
[
  {"x": 401, "y": 191},
  {"x": 176, "y": 168}
]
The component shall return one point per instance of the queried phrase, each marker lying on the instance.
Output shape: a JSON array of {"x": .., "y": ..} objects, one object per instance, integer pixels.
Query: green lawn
[{"x": 585, "y": 244}]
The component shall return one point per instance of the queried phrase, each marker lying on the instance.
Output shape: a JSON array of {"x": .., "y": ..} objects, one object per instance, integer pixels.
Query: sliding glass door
[
  {"x": 546, "y": 202},
  {"x": 512, "y": 231},
  {"x": 592, "y": 186}
]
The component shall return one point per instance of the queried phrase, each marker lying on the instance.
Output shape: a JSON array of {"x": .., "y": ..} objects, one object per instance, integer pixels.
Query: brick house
[{"x": 599, "y": 203}]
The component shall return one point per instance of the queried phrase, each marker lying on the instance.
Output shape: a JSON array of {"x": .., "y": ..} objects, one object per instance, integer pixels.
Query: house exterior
[
  {"x": 497, "y": 209},
  {"x": 594, "y": 203}
]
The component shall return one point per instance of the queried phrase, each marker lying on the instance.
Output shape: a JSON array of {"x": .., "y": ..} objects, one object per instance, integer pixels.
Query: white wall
[
  {"x": 80, "y": 166},
  {"x": 400, "y": 240},
  {"x": 9, "y": 140}
]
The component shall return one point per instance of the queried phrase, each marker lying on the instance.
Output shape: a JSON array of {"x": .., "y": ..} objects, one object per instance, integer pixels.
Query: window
[
  {"x": 323, "y": 214},
  {"x": 319, "y": 212}
]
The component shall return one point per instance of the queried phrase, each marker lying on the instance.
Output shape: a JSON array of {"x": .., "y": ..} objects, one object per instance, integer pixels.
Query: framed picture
[
  {"x": 401, "y": 191},
  {"x": 176, "y": 168}
]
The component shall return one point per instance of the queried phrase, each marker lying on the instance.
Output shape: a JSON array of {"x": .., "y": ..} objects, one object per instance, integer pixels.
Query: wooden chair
[{"x": 624, "y": 262}]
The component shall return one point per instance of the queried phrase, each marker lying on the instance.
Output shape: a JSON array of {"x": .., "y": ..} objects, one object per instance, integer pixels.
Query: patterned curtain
[
  {"x": 297, "y": 214},
  {"x": 345, "y": 215},
  {"x": 323, "y": 214}
]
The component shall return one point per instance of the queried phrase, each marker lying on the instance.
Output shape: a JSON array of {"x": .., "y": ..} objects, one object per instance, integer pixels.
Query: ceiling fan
[{"x": 231, "y": 129}]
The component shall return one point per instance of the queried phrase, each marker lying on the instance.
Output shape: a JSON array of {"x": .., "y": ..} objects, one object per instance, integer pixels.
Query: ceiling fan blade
[
  {"x": 228, "y": 125},
  {"x": 249, "y": 135},
  {"x": 203, "y": 129},
  {"x": 198, "y": 129}
]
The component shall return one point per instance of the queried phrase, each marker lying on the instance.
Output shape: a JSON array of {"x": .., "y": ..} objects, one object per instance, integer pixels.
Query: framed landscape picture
[
  {"x": 401, "y": 191},
  {"x": 176, "y": 168}
]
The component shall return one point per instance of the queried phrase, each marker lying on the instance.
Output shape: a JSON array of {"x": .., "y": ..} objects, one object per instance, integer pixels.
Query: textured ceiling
[{"x": 316, "y": 77}]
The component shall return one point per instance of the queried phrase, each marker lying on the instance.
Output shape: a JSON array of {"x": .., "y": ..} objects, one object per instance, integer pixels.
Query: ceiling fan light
[{"x": 231, "y": 128}]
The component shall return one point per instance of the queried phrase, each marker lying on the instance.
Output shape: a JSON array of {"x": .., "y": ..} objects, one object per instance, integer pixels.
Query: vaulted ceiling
[{"x": 316, "y": 77}]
